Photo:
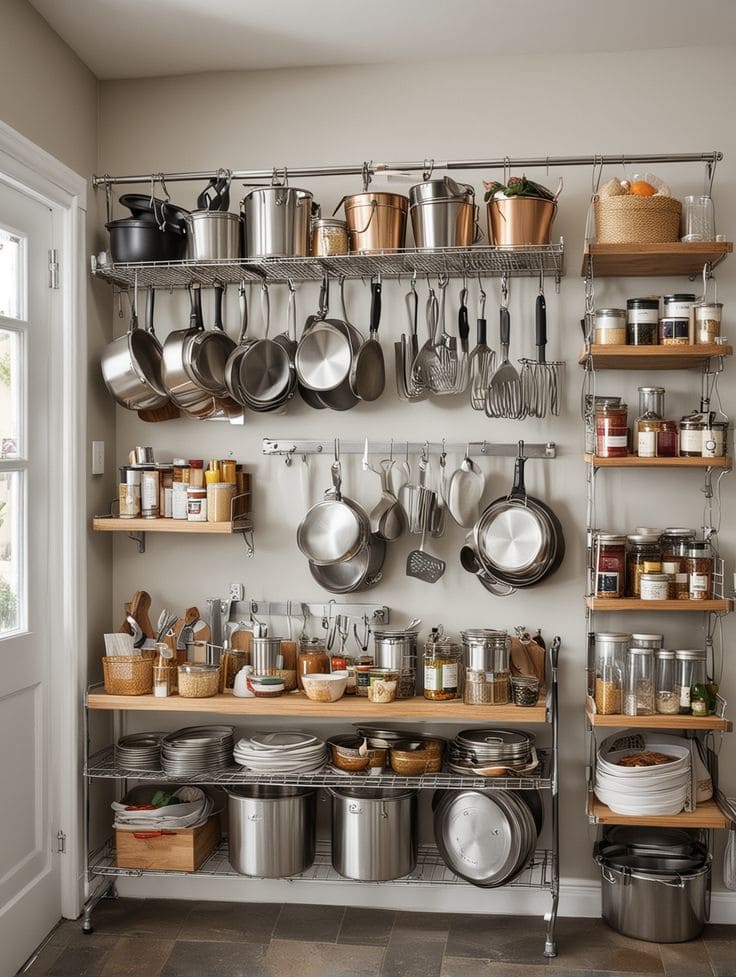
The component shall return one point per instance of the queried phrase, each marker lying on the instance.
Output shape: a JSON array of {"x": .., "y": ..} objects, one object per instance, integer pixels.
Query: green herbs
[{"x": 518, "y": 186}]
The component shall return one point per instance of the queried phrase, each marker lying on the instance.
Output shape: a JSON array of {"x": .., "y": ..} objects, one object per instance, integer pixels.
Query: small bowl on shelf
[
  {"x": 349, "y": 753},
  {"x": 412, "y": 758},
  {"x": 327, "y": 687}
]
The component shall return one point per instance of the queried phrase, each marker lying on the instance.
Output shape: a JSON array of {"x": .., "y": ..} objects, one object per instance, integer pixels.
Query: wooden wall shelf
[
  {"x": 652, "y": 357},
  {"x": 648, "y": 260},
  {"x": 657, "y": 722},
  {"x": 634, "y": 604},
  {"x": 111, "y": 524},
  {"x": 634, "y": 461},
  {"x": 706, "y": 815}
]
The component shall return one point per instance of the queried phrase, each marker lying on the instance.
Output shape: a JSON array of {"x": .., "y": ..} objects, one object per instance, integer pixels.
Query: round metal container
[
  {"x": 520, "y": 220},
  {"x": 271, "y": 829},
  {"x": 277, "y": 222},
  {"x": 374, "y": 833},
  {"x": 376, "y": 221},
  {"x": 395, "y": 648},
  {"x": 263, "y": 655},
  {"x": 214, "y": 236},
  {"x": 486, "y": 650}
]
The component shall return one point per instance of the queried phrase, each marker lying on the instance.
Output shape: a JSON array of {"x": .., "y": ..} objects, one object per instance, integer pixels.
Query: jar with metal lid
[
  {"x": 612, "y": 432},
  {"x": 397, "y": 648},
  {"x": 196, "y": 504},
  {"x": 642, "y": 320},
  {"x": 715, "y": 438},
  {"x": 129, "y": 492},
  {"x": 442, "y": 660},
  {"x": 699, "y": 560},
  {"x": 649, "y": 421},
  {"x": 666, "y": 700},
  {"x": 150, "y": 492},
  {"x": 486, "y": 650},
  {"x": 609, "y": 561},
  {"x": 675, "y": 543},
  {"x": 609, "y": 327},
  {"x": 591, "y": 405},
  {"x": 485, "y": 688},
  {"x": 690, "y": 670},
  {"x": 708, "y": 322},
  {"x": 641, "y": 548},
  {"x": 639, "y": 694},
  {"x": 653, "y": 641},
  {"x": 329, "y": 236},
  {"x": 610, "y": 651},
  {"x": 667, "y": 439},
  {"x": 677, "y": 306},
  {"x": 654, "y": 586},
  {"x": 691, "y": 436}
]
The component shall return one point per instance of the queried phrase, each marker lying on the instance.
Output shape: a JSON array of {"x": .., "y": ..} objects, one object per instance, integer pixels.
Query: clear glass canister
[
  {"x": 649, "y": 422},
  {"x": 642, "y": 548},
  {"x": 639, "y": 694},
  {"x": 442, "y": 664},
  {"x": 329, "y": 236},
  {"x": 653, "y": 641},
  {"x": 312, "y": 659},
  {"x": 699, "y": 570},
  {"x": 675, "y": 542},
  {"x": 612, "y": 432},
  {"x": 690, "y": 670},
  {"x": 485, "y": 688},
  {"x": 610, "y": 565},
  {"x": 591, "y": 407},
  {"x": 610, "y": 652},
  {"x": 666, "y": 700},
  {"x": 691, "y": 436},
  {"x": 708, "y": 322},
  {"x": 609, "y": 327}
]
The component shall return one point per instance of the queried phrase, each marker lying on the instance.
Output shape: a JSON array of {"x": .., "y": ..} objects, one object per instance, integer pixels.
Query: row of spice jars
[
  {"x": 671, "y": 565},
  {"x": 675, "y": 321},
  {"x": 636, "y": 676},
  {"x": 694, "y": 436},
  {"x": 183, "y": 489}
]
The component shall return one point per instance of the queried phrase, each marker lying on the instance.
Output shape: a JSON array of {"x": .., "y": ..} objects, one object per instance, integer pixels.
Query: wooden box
[{"x": 182, "y": 850}]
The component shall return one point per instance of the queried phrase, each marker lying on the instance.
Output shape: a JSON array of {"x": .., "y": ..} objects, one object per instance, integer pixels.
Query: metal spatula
[
  {"x": 419, "y": 563},
  {"x": 505, "y": 393}
]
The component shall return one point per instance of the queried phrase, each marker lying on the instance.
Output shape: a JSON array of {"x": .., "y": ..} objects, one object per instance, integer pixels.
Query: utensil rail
[{"x": 487, "y": 449}]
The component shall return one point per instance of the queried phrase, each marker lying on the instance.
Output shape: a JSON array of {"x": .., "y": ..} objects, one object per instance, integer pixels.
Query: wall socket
[{"x": 236, "y": 591}]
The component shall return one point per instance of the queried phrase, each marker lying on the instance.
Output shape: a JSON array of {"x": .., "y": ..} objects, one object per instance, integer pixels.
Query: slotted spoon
[{"x": 419, "y": 563}]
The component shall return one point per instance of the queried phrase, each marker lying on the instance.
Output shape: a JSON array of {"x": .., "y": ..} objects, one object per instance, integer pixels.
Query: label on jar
[
  {"x": 179, "y": 500},
  {"x": 449, "y": 676},
  {"x": 712, "y": 442},
  {"x": 643, "y": 315},
  {"x": 672, "y": 569},
  {"x": 674, "y": 309},
  {"x": 130, "y": 500},
  {"x": 691, "y": 441},
  {"x": 615, "y": 441},
  {"x": 685, "y": 697},
  {"x": 440, "y": 678},
  {"x": 196, "y": 509},
  {"x": 698, "y": 583},
  {"x": 646, "y": 444},
  {"x": 653, "y": 589},
  {"x": 607, "y": 584}
]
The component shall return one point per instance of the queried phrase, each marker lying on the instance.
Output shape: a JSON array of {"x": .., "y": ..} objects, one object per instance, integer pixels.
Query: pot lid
[
  {"x": 478, "y": 836},
  {"x": 444, "y": 188}
]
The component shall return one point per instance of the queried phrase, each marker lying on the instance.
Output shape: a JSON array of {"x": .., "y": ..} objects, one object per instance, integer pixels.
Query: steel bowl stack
[
  {"x": 485, "y": 748},
  {"x": 139, "y": 751},
  {"x": 195, "y": 749}
]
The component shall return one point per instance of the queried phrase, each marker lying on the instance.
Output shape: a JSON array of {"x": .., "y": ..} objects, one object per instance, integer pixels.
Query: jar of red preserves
[
  {"x": 610, "y": 565},
  {"x": 611, "y": 428}
]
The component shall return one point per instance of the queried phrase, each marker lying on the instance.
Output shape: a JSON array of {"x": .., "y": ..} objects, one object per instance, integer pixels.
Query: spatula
[
  {"x": 419, "y": 563},
  {"x": 504, "y": 393}
]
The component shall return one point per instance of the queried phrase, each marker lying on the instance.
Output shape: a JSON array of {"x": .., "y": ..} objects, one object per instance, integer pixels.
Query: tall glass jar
[
  {"x": 666, "y": 700},
  {"x": 609, "y": 560},
  {"x": 690, "y": 670},
  {"x": 642, "y": 321},
  {"x": 691, "y": 436},
  {"x": 442, "y": 668},
  {"x": 649, "y": 422},
  {"x": 612, "y": 432},
  {"x": 708, "y": 322},
  {"x": 312, "y": 659},
  {"x": 610, "y": 656},
  {"x": 675, "y": 543},
  {"x": 642, "y": 548},
  {"x": 699, "y": 570},
  {"x": 639, "y": 694}
]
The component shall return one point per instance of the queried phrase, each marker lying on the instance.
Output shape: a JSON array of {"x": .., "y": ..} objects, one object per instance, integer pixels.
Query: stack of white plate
[
  {"x": 139, "y": 751},
  {"x": 197, "y": 749},
  {"x": 282, "y": 751},
  {"x": 662, "y": 789},
  {"x": 193, "y": 809}
]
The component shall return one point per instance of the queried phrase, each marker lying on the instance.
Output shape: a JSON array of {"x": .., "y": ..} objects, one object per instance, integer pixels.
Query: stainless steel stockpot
[
  {"x": 374, "y": 833},
  {"x": 277, "y": 222},
  {"x": 444, "y": 214},
  {"x": 214, "y": 236},
  {"x": 272, "y": 829}
]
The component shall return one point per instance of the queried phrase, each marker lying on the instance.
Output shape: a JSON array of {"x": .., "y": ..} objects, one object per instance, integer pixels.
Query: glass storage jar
[
  {"x": 442, "y": 661},
  {"x": 609, "y": 561},
  {"x": 674, "y": 332},
  {"x": 312, "y": 659},
  {"x": 642, "y": 548},
  {"x": 666, "y": 700},
  {"x": 708, "y": 322},
  {"x": 485, "y": 688},
  {"x": 329, "y": 236},
  {"x": 612, "y": 432},
  {"x": 690, "y": 670},
  {"x": 654, "y": 586},
  {"x": 610, "y": 657},
  {"x": 677, "y": 306},
  {"x": 639, "y": 694},
  {"x": 649, "y": 422},
  {"x": 675, "y": 542},
  {"x": 591, "y": 406},
  {"x": 642, "y": 321},
  {"x": 699, "y": 570},
  {"x": 653, "y": 641},
  {"x": 691, "y": 436},
  {"x": 609, "y": 327},
  {"x": 667, "y": 440}
]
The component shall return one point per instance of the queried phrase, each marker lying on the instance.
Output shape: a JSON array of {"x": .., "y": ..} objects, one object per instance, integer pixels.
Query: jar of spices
[
  {"x": 179, "y": 486},
  {"x": 591, "y": 406},
  {"x": 612, "y": 433},
  {"x": 609, "y": 327},
  {"x": 690, "y": 670},
  {"x": 654, "y": 586},
  {"x": 610, "y": 650},
  {"x": 675, "y": 543},
  {"x": 715, "y": 438},
  {"x": 678, "y": 306},
  {"x": 329, "y": 236},
  {"x": 229, "y": 470},
  {"x": 525, "y": 690},
  {"x": 667, "y": 439},
  {"x": 485, "y": 688},
  {"x": 196, "y": 472},
  {"x": 610, "y": 565},
  {"x": 166, "y": 481},
  {"x": 639, "y": 694},
  {"x": 642, "y": 548},
  {"x": 649, "y": 422},
  {"x": 150, "y": 492},
  {"x": 129, "y": 492},
  {"x": 708, "y": 322},
  {"x": 196, "y": 504},
  {"x": 666, "y": 700},
  {"x": 699, "y": 562},
  {"x": 642, "y": 320},
  {"x": 312, "y": 659},
  {"x": 441, "y": 667},
  {"x": 363, "y": 678},
  {"x": 691, "y": 436},
  {"x": 219, "y": 501}
]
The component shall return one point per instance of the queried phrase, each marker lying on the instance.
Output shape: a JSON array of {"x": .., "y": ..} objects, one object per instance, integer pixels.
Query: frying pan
[
  {"x": 131, "y": 364},
  {"x": 368, "y": 373},
  {"x": 264, "y": 373},
  {"x": 358, "y": 573},
  {"x": 207, "y": 353},
  {"x": 232, "y": 367},
  {"x": 324, "y": 355},
  {"x": 335, "y": 529},
  {"x": 344, "y": 396}
]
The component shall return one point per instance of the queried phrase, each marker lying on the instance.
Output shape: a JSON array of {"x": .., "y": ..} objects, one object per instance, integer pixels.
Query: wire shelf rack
[
  {"x": 102, "y": 765},
  {"x": 519, "y": 260},
  {"x": 430, "y": 869}
]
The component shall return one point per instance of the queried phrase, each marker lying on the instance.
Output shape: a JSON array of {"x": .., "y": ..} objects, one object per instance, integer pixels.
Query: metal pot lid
[
  {"x": 477, "y": 837},
  {"x": 671, "y": 840},
  {"x": 495, "y": 737},
  {"x": 443, "y": 189}
]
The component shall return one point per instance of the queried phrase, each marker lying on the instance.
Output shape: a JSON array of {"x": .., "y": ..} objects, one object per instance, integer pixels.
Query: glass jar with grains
[
  {"x": 666, "y": 701},
  {"x": 610, "y": 653},
  {"x": 649, "y": 422},
  {"x": 699, "y": 570},
  {"x": 329, "y": 236},
  {"x": 643, "y": 548},
  {"x": 639, "y": 694},
  {"x": 441, "y": 668},
  {"x": 675, "y": 543}
]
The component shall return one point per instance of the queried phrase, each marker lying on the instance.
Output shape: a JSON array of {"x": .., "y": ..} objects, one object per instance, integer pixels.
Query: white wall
[{"x": 665, "y": 101}]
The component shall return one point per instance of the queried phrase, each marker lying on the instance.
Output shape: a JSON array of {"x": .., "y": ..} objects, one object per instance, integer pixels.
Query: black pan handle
[
  {"x": 195, "y": 319},
  {"x": 375, "y": 308},
  {"x": 541, "y": 327},
  {"x": 217, "y": 321},
  {"x": 149, "y": 310},
  {"x": 505, "y": 330},
  {"x": 518, "y": 489},
  {"x": 482, "y": 332},
  {"x": 463, "y": 326}
]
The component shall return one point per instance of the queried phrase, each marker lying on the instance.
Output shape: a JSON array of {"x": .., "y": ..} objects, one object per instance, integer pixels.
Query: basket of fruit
[{"x": 640, "y": 211}]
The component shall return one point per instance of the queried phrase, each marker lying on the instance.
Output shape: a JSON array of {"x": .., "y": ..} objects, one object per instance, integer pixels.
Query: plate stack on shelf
[
  {"x": 475, "y": 750},
  {"x": 643, "y": 774},
  {"x": 196, "y": 749},
  {"x": 139, "y": 751},
  {"x": 283, "y": 751}
]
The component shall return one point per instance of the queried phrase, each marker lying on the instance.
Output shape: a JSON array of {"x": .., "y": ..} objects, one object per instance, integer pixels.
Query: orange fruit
[{"x": 642, "y": 189}]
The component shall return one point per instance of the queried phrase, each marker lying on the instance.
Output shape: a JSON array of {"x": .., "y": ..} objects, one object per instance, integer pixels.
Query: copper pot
[
  {"x": 520, "y": 220},
  {"x": 376, "y": 221}
]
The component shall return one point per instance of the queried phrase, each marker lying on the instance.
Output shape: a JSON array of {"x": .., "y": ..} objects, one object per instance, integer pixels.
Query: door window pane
[
  {"x": 11, "y": 567},
  {"x": 9, "y": 394},
  {"x": 11, "y": 270}
]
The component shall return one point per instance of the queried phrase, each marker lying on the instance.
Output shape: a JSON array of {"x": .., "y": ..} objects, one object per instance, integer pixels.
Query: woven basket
[
  {"x": 128, "y": 674},
  {"x": 628, "y": 219}
]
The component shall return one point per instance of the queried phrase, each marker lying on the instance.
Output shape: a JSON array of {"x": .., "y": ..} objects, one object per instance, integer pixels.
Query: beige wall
[{"x": 665, "y": 101}]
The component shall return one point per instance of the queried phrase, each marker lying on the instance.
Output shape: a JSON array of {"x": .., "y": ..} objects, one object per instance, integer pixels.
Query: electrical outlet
[{"x": 236, "y": 591}]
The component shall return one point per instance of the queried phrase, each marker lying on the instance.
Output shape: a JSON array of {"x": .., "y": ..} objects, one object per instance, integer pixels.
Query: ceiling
[{"x": 148, "y": 38}]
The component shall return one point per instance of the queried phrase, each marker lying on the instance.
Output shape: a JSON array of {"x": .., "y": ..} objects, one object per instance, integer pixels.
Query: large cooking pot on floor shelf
[
  {"x": 271, "y": 829},
  {"x": 374, "y": 833}
]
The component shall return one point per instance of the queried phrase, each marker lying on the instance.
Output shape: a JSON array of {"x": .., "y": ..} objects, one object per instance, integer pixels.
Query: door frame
[{"x": 27, "y": 168}]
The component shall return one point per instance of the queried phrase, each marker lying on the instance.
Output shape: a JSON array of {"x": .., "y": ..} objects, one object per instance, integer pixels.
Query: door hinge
[
  {"x": 53, "y": 268},
  {"x": 60, "y": 842}
]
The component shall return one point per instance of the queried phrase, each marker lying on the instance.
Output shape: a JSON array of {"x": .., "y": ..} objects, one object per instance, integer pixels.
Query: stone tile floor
[{"x": 167, "y": 938}]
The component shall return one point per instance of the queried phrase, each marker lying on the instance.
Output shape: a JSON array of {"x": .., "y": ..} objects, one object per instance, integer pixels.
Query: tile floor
[{"x": 166, "y": 938}]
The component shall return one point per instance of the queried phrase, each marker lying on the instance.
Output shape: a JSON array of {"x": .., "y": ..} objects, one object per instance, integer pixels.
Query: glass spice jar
[
  {"x": 667, "y": 439},
  {"x": 642, "y": 321},
  {"x": 610, "y": 565},
  {"x": 612, "y": 433},
  {"x": 708, "y": 322},
  {"x": 641, "y": 548},
  {"x": 654, "y": 586},
  {"x": 691, "y": 436},
  {"x": 441, "y": 668},
  {"x": 609, "y": 327},
  {"x": 699, "y": 562},
  {"x": 675, "y": 543},
  {"x": 666, "y": 701},
  {"x": 674, "y": 332},
  {"x": 649, "y": 422},
  {"x": 329, "y": 236}
]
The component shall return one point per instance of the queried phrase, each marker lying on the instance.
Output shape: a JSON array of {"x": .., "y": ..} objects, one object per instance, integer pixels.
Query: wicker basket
[
  {"x": 128, "y": 674},
  {"x": 628, "y": 219}
]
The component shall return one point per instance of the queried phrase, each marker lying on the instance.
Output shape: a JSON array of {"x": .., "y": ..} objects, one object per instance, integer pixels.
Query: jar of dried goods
[
  {"x": 708, "y": 322},
  {"x": 609, "y": 327},
  {"x": 609, "y": 561},
  {"x": 690, "y": 670},
  {"x": 649, "y": 422},
  {"x": 699, "y": 570},
  {"x": 675, "y": 543},
  {"x": 612, "y": 433},
  {"x": 666, "y": 700},
  {"x": 642, "y": 320},
  {"x": 691, "y": 436},
  {"x": 610, "y": 656},
  {"x": 642, "y": 548},
  {"x": 639, "y": 694}
]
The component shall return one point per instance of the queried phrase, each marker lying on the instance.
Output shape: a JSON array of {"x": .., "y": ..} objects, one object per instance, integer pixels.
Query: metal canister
[
  {"x": 150, "y": 492},
  {"x": 396, "y": 648},
  {"x": 444, "y": 214},
  {"x": 715, "y": 439},
  {"x": 129, "y": 492},
  {"x": 691, "y": 436},
  {"x": 277, "y": 222},
  {"x": 376, "y": 221},
  {"x": 486, "y": 650}
]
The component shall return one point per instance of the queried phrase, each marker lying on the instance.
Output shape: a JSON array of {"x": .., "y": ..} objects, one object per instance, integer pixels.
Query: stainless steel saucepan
[
  {"x": 335, "y": 529},
  {"x": 182, "y": 389},
  {"x": 208, "y": 352},
  {"x": 131, "y": 364}
]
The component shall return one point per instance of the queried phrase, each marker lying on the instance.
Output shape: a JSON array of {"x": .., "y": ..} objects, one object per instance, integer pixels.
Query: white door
[{"x": 29, "y": 863}]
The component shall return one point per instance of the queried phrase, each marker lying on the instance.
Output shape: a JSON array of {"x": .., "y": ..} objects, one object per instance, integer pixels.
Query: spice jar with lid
[
  {"x": 691, "y": 436},
  {"x": 649, "y": 422},
  {"x": 654, "y": 586},
  {"x": 642, "y": 548},
  {"x": 667, "y": 439},
  {"x": 129, "y": 492},
  {"x": 150, "y": 492},
  {"x": 591, "y": 406},
  {"x": 610, "y": 652},
  {"x": 666, "y": 700},
  {"x": 609, "y": 327},
  {"x": 675, "y": 543},
  {"x": 610, "y": 565},
  {"x": 312, "y": 659},
  {"x": 708, "y": 322},
  {"x": 642, "y": 320},
  {"x": 442, "y": 660},
  {"x": 197, "y": 504},
  {"x": 699, "y": 561},
  {"x": 612, "y": 432},
  {"x": 690, "y": 670},
  {"x": 639, "y": 695},
  {"x": 329, "y": 236}
]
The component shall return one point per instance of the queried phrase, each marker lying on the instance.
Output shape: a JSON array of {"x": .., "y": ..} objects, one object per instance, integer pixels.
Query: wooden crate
[{"x": 183, "y": 850}]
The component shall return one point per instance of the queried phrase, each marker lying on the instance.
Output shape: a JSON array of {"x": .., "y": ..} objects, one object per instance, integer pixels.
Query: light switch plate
[
  {"x": 98, "y": 457},
  {"x": 236, "y": 591}
]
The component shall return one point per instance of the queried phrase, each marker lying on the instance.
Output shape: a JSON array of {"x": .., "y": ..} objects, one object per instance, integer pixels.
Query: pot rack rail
[
  {"x": 324, "y": 610},
  {"x": 368, "y": 169},
  {"x": 478, "y": 449}
]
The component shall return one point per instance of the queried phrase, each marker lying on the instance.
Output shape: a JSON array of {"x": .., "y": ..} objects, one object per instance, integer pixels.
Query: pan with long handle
[
  {"x": 232, "y": 367},
  {"x": 207, "y": 353},
  {"x": 344, "y": 396},
  {"x": 131, "y": 364},
  {"x": 324, "y": 355},
  {"x": 181, "y": 388},
  {"x": 265, "y": 368},
  {"x": 369, "y": 377}
]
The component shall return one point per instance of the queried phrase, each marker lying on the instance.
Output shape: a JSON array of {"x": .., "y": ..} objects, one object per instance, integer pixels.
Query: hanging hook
[
  {"x": 367, "y": 174},
  {"x": 391, "y": 451},
  {"x": 428, "y": 169},
  {"x": 337, "y": 449},
  {"x": 506, "y": 170},
  {"x": 289, "y": 454}
]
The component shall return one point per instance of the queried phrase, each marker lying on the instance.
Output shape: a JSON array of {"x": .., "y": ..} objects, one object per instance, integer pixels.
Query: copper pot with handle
[{"x": 376, "y": 221}]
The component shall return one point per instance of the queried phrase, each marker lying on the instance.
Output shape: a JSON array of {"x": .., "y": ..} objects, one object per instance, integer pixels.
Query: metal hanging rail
[
  {"x": 488, "y": 449},
  {"x": 426, "y": 166}
]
